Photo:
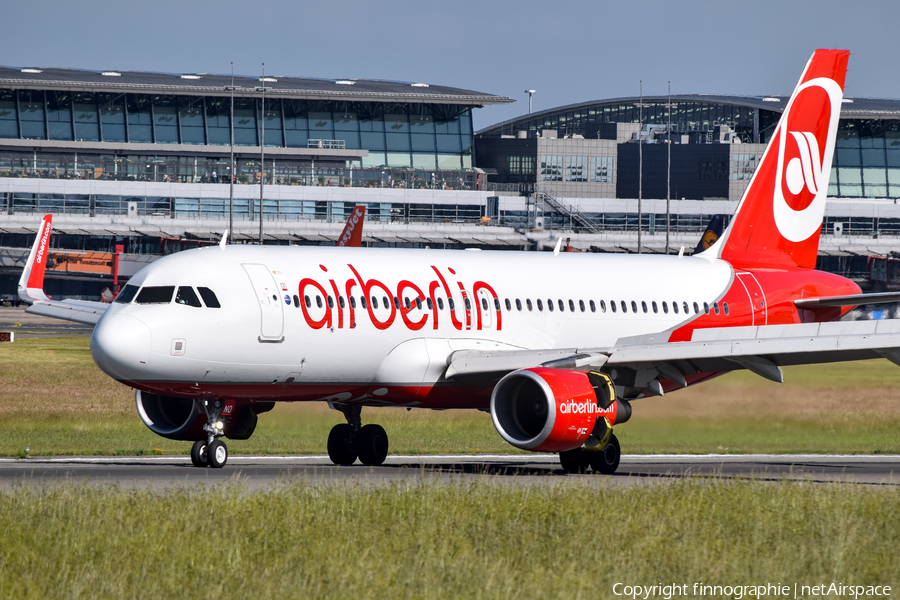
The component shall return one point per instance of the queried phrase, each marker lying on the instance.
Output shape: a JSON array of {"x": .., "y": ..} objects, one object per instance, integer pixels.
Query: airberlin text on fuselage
[{"x": 413, "y": 316}]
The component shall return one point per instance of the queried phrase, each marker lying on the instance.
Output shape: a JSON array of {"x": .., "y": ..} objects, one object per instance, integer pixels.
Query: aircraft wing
[
  {"x": 79, "y": 311},
  {"x": 762, "y": 350}
]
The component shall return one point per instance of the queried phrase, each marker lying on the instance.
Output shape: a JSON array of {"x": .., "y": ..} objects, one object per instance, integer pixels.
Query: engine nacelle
[
  {"x": 548, "y": 410},
  {"x": 182, "y": 419}
]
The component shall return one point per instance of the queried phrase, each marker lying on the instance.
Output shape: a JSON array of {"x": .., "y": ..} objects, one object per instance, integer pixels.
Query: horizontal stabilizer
[{"x": 852, "y": 300}]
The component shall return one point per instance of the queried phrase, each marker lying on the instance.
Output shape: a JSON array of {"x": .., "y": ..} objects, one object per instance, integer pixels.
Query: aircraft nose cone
[{"x": 120, "y": 345}]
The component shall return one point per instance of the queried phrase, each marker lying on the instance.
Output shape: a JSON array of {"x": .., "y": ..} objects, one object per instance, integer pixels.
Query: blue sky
[{"x": 569, "y": 51}]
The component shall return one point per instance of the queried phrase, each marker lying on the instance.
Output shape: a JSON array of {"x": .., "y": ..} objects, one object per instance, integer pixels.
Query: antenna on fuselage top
[
  {"x": 558, "y": 246},
  {"x": 224, "y": 240}
]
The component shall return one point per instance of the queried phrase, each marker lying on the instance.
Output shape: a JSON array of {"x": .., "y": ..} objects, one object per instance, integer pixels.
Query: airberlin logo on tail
[
  {"x": 801, "y": 182},
  {"x": 42, "y": 249}
]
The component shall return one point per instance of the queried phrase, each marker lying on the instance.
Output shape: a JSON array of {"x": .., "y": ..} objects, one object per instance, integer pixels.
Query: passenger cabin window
[
  {"x": 187, "y": 295},
  {"x": 655, "y": 307},
  {"x": 341, "y": 301},
  {"x": 441, "y": 303},
  {"x": 127, "y": 294},
  {"x": 319, "y": 301},
  {"x": 725, "y": 307},
  {"x": 593, "y": 306},
  {"x": 374, "y": 302},
  {"x": 665, "y": 308},
  {"x": 429, "y": 303},
  {"x": 352, "y": 301},
  {"x": 612, "y": 305},
  {"x": 540, "y": 305},
  {"x": 508, "y": 305},
  {"x": 296, "y": 302},
  {"x": 549, "y": 305},
  {"x": 518, "y": 305},
  {"x": 156, "y": 294},
  {"x": 528, "y": 304},
  {"x": 483, "y": 304},
  {"x": 675, "y": 307},
  {"x": 696, "y": 308},
  {"x": 633, "y": 306},
  {"x": 602, "y": 305},
  {"x": 209, "y": 297},
  {"x": 362, "y": 301},
  {"x": 580, "y": 305},
  {"x": 643, "y": 306},
  {"x": 451, "y": 303}
]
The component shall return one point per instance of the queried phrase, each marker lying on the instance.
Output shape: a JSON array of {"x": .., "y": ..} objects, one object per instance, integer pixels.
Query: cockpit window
[
  {"x": 209, "y": 297},
  {"x": 187, "y": 295},
  {"x": 157, "y": 294},
  {"x": 127, "y": 294}
]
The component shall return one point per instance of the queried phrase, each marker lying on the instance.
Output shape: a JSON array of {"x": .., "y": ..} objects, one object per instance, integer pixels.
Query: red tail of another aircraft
[
  {"x": 31, "y": 284},
  {"x": 779, "y": 219},
  {"x": 352, "y": 234}
]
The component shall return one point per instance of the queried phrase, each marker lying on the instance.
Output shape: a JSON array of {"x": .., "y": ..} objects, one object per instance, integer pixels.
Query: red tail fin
[
  {"x": 352, "y": 234},
  {"x": 31, "y": 284},
  {"x": 779, "y": 219}
]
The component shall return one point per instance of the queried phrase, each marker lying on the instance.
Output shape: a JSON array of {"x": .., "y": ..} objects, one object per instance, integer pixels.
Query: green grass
[
  {"x": 442, "y": 540},
  {"x": 55, "y": 401}
]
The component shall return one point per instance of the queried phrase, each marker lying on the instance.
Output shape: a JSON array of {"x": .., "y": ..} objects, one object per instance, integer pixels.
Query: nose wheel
[
  {"x": 349, "y": 441},
  {"x": 211, "y": 452}
]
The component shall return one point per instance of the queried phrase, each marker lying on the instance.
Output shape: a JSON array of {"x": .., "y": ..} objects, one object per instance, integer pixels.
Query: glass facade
[
  {"x": 417, "y": 136},
  {"x": 685, "y": 117},
  {"x": 866, "y": 160}
]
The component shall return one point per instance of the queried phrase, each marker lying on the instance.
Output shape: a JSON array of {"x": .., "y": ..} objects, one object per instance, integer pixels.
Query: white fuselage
[{"x": 260, "y": 343}]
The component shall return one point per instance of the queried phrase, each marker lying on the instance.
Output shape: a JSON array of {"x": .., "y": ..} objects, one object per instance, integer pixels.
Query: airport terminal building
[
  {"x": 136, "y": 165},
  {"x": 590, "y": 150}
]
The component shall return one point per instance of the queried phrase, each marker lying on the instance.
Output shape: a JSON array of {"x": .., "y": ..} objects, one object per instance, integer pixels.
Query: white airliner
[{"x": 555, "y": 346}]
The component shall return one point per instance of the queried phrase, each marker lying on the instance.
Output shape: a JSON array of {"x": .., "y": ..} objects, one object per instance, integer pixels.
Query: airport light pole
[
  {"x": 668, "y": 106},
  {"x": 262, "y": 151},
  {"x": 231, "y": 168},
  {"x": 640, "y": 105},
  {"x": 530, "y": 94}
]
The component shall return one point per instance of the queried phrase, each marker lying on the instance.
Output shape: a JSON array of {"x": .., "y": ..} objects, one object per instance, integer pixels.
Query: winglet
[
  {"x": 31, "y": 284},
  {"x": 352, "y": 234}
]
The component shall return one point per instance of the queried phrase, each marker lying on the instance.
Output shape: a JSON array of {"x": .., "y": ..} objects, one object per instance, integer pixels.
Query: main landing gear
[
  {"x": 211, "y": 452},
  {"x": 601, "y": 453},
  {"x": 351, "y": 440}
]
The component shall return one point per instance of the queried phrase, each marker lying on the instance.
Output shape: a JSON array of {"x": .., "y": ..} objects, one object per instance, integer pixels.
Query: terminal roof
[
  {"x": 853, "y": 108},
  {"x": 306, "y": 88}
]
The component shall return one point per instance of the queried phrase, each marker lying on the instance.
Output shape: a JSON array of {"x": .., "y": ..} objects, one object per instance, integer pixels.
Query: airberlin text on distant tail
[{"x": 342, "y": 304}]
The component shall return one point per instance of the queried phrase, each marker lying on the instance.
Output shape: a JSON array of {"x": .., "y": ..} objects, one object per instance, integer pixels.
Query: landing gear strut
[
  {"x": 351, "y": 440},
  {"x": 210, "y": 452}
]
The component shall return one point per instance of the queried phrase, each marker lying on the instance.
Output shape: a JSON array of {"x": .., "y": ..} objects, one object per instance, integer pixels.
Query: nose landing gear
[
  {"x": 351, "y": 440},
  {"x": 210, "y": 452}
]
